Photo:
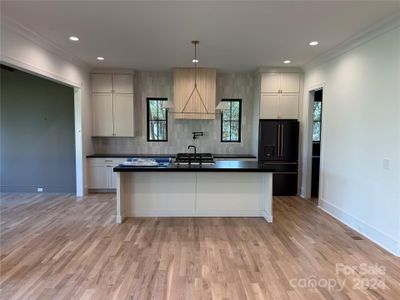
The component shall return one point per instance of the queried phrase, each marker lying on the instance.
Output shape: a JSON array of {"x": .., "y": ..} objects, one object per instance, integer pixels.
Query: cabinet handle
[
  {"x": 108, "y": 160},
  {"x": 282, "y": 128}
]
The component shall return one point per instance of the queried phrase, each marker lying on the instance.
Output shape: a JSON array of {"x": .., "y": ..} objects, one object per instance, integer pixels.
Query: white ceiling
[{"x": 233, "y": 35}]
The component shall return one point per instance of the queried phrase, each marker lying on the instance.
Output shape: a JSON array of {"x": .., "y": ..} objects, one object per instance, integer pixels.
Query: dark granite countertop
[
  {"x": 116, "y": 155},
  {"x": 220, "y": 166}
]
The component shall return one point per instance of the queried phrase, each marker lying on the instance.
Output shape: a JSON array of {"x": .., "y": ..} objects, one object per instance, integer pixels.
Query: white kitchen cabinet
[
  {"x": 288, "y": 106},
  {"x": 102, "y": 83},
  {"x": 280, "y": 83},
  {"x": 113, "y": 108},
  {"x": 103, "y": 114},
  {"x": 122, "y": 83},
  {"x": 290, "y": 83},
  {"x": 270, "y": 83},
  {"x": 280, "y": 95},
  {"x": 97, "y": 176},
  {"x": 100, "y": 173},
  {"x": 269, "y": 106},
  {"x": 123, "y": 115},
  {"x": 279, "y": 106}
]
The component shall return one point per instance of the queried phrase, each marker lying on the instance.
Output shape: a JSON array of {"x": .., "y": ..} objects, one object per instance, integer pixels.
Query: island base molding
[{"x": 193, "y": 194}]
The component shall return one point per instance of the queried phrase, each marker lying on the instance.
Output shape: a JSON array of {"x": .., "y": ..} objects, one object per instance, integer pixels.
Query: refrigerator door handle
[
  {"x": 282, "y": 131},
  {"x": 279, "y": 140}
]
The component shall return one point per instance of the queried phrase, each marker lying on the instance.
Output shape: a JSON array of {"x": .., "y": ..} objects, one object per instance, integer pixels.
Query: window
[
  {"x": 317, "y": 115},
  {"x": 231, "y": 121},
  {"x": 157, "y": 120}
]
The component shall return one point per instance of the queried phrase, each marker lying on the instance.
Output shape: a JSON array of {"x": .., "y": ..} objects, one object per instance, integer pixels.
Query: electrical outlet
[
  {"x": 386, "y": 164},
  {"x": 40, "y": 189}
]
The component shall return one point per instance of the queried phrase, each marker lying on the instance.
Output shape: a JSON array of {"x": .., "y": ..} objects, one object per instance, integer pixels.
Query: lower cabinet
[{"x": 100, "y": 173}]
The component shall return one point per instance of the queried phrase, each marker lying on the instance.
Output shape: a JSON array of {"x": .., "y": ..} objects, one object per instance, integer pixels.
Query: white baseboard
[
  {"x": 382, "y": 239},
  {"x": 180, "y": 213},
  {"x": 267, "y": 216}
]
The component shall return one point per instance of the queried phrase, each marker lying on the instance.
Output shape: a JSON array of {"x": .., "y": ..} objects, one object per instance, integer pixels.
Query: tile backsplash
[{"x": 160, "y": 84}]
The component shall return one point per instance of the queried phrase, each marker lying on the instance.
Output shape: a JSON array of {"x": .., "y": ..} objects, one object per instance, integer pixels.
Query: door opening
[{"x": 316, "y": 142}]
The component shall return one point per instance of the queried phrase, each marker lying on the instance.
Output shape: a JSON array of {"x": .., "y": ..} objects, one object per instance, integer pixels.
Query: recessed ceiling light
[
  {"x": 74, "y": 38},
  {"x": 287, "y": 62},
  {"x": 313, "y": 43},
  {"x": 100, "y": 58},
  {"x": 195, "y": 61}
]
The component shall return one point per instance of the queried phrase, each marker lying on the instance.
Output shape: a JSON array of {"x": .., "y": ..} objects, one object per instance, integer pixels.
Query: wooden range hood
[{"x": 192, "y": 104}]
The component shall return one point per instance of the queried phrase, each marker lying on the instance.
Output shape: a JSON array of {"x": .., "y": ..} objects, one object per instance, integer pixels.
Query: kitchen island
[{"x": 225, "y": 189}]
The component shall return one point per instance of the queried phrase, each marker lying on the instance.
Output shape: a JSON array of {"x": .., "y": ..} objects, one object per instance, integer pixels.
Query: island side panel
[
  {"x": 120, "y": 214},
  {"x": 159, "y": 194},
  {"x": 230, "y": 194},
  {"x": 268, "y": 198}
]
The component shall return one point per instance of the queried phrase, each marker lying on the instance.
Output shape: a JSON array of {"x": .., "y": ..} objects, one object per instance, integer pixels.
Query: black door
[
  {"x": 289, "y": 147},
  {"x": 268, "y": 140}
]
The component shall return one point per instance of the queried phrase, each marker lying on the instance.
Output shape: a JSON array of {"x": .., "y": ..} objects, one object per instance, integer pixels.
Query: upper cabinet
[
  {"x": 280, "y": 83},
  {"x": 190, "y": 103},
  {"x": 112, "y": 100},
  {"x": 280, "y": 95}
]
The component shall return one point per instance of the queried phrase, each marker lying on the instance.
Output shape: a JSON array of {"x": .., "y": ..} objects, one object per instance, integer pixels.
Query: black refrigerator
[{"x": 278, "y": 149}]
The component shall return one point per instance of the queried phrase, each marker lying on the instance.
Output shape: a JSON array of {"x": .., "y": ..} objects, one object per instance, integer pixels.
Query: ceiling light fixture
[
  {"x": 287, "y": 62},
  {"x": 74, "y": 38},
  {"x": 313, "y": 43},
  {"x": 100, "y": 58}
]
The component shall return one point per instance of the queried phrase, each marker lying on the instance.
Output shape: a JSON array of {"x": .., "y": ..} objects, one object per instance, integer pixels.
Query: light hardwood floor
[{"x": 63, "y": 247}]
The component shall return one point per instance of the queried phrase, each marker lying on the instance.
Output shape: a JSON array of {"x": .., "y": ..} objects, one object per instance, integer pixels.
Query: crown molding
[
  {"x": 357, "y": 40},
  {"x": 43, "y": 42},
  {"x": 279, "y": 70}
]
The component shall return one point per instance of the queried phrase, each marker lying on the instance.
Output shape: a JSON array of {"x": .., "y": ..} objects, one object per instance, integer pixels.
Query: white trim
[
  {"x": 29, "y": 68},
  {"x": 79, "y": 161},
  {"x": 363, "y": 37},
  {"x": 206, "y": 213},
  {"x": 387, "y": 242},
  {"x": 42, "y": 41},
  {"x": 307, "y": 142},
  {"x": 279, "y": 70},
  {"x": 268, "y": 217}
]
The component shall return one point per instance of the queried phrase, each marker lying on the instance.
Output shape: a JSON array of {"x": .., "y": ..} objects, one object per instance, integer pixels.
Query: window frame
[
  {"x": 148, "y": 99},
  {"x": 230, "y": 121}
]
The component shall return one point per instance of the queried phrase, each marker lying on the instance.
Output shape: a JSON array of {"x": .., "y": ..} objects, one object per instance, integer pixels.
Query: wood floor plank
[{"x": 64, "y": 247}]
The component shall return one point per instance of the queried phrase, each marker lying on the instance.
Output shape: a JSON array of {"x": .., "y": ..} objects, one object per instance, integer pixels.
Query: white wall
[
  {"x": 360, "y": 128},
  {"x": 25, "y": 50}
]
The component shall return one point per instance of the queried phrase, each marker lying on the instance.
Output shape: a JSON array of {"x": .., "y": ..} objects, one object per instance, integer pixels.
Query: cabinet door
[
  {"x": 288, "y": 106},
  {"x": 269, "y": 106},
  {"x": 270, "y": 83},
  {"x": 102, "y": 114},
  {"x": 102, "y": 83},
  {"x": 123, "y": 83},
  {"x": 112, "y": 176},
  {"x": 290, "y": 82},
  {"x": 123, "y": 114},
  {"x": 97, "y": 177}
]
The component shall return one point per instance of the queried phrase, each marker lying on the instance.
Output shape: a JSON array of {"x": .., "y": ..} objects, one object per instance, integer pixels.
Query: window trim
[
  {"x": 148, "y": 99},
  {"x": 240, "y": 121}
]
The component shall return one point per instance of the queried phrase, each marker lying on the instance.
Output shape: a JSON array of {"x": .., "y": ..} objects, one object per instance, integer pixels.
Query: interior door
[
  {"x": 123, "y": 115},
  {"x": 289, "y": 147},
  {"x": 268, "y": 140}
]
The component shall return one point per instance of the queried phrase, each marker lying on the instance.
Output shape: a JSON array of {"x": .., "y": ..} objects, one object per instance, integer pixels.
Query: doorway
[{"x": 316, "y": 143}]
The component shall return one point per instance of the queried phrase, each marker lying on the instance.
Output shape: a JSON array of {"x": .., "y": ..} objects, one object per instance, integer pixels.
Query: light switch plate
[{"x": 386, "y": 164}]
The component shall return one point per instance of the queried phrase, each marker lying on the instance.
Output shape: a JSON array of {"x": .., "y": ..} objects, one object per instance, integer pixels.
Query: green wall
[{"x": 37, "y": 134}]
